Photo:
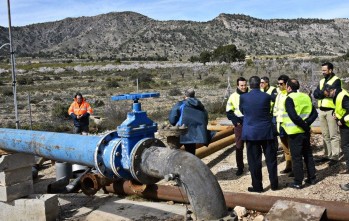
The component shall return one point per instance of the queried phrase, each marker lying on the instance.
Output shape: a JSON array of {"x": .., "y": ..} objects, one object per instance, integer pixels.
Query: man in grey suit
[{"x": 259, "y": 135}]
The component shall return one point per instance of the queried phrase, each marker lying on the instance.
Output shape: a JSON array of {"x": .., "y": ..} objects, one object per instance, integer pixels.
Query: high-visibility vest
[
  {"x": 327, "y": 102},
  {"x": 303, "y": 107},
  {"x": 339, "y": 111},
  {"x": 81, "y": 109},
  {"x": 269, "y": 91},
  {"x": 279, "y": 108},
  {"x": 233, "y": 104}
]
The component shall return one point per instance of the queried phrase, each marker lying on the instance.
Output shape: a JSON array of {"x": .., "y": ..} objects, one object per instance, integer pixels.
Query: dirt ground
[{"x": 222, "y": 164}]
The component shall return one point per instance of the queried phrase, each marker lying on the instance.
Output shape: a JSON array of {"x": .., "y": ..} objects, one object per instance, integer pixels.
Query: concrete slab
[
  {"x": 36, "y": 207},
  {"x": 284, "y": 210},
  {"x": 10, "y": 177},
  {"x": 15, "y": 161},
  {"x": 118, "y": 209},
  {"x": 15, "y": 191}
]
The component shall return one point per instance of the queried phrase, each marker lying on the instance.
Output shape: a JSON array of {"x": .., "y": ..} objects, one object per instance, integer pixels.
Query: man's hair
[
  {"x": 329, "y": 65},
  {"x": 266, "y": 79},
  {"x": 78, "y": 94},
  {"x": 254, "y": 82},
  {"x": 189, "y": 92},
  {"x": 293, "y": 83},
  {"x": 240, "y": 79},
  {"x": 283, "y": 77}
]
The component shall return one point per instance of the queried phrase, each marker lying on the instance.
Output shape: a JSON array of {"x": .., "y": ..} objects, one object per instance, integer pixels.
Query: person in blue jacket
[
  {"x": 191, "y": 113},
  {"x": 259, "y": 135}
]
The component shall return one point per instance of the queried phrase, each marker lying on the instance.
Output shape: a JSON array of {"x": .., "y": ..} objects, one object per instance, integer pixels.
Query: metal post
[
  {"x": 30, "y": 112},
  {"x": 13, "y": 65}
]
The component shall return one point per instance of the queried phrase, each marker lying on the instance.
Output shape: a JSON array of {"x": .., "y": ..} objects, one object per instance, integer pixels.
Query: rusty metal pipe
[
  {"x": 222, "y": 134},
  {"x": 92, "y": 182},
  {"x": 204, "y": 193},
  {"x": 215, "y": 146},
  {"x": 216, "y": 127},
  {"x": 262, "y": 203}
]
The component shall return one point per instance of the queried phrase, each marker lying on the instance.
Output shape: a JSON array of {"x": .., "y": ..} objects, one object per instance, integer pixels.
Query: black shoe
[
  {"x": 344, "y": 186},
  {"x": 274, "y": 188},
  {"x": 251, "y": 189},
  {"x": 286, "y": 170},
  {"x": 332, "y": 162},
  {"x": 310, "y": 181},
  {"x": 321, "y": 160},
  {"x": 294, "y": 186},
  {"x": 239, "y": 172},
  {"x": 291, "y": 174}
]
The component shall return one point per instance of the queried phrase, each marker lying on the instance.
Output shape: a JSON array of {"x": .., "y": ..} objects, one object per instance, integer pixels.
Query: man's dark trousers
[
  {"x": 254, "y": 157},
  {"x": 300, "y": 148},
  {"x": 239, "y": 147},
  {"x": 345, "y": 144}
]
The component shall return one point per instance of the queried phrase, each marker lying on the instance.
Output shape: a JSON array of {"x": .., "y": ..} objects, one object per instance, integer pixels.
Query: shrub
[
  {"x": 215, "y": 108},
  {"x": 113, "y": 84},
  {"x": 211, "y": 80},
  {"x": 99, "y": 103},
  {"x": 7, "y": 91},
  {"x": 174, "y": 92},
  {"x": 60, "y": 111}
]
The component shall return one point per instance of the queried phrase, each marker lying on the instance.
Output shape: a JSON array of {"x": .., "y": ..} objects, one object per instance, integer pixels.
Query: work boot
[
  {"x": 288, "y": 167},
  {"x": 239, "y": 172}
]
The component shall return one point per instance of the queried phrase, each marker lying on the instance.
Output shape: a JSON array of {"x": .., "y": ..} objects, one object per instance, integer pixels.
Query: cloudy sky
[{"x": 24, "y": 12}]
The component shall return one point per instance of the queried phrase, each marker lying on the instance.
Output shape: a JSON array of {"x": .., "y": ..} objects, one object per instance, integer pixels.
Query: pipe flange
[
  {"x": 98, "y": 156},
  {"x": 136, "y": 160}
]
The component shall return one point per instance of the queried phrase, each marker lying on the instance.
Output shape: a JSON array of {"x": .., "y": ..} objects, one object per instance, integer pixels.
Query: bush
[
  {"x": 25, "y": 80},
  {"x": 99, "y": 103},
  {"x": 215, "y": 108},
  {"x": 113, "y": 84},
  {"x": 174, "y": 92},
  {"x": 60, "y": 111},
  {"x": 7, "y": 91},
  {"x": 211, "y": 80}
]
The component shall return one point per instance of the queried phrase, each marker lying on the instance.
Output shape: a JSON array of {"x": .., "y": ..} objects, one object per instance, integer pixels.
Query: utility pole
[{"x": 13, "y": 65}]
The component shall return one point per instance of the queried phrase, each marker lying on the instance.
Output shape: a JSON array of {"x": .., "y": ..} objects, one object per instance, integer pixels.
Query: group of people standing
[{"x": 265, "y": 112}]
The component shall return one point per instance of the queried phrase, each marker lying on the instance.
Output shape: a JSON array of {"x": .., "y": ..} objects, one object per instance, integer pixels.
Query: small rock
[
  {"x": 240, "y": 211},
  {"x": 259, "y": 218}
]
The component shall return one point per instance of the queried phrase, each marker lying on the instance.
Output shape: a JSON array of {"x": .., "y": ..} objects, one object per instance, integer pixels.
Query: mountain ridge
[{"x": 130, "y": 35}]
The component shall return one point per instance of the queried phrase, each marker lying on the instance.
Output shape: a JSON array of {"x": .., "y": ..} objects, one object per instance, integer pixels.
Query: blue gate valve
[{"x": 135, "y": 128}]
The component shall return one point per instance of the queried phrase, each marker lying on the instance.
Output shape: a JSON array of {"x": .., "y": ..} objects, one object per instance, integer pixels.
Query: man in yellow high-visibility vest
[
  {"x": 341, "y": 115},
  {"x": 234, "y": 114},
  {"x": 328, "y": 125},
  {"x": 299, "y": 115}
]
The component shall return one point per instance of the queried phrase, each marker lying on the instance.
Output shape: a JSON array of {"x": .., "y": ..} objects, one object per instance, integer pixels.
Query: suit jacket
[{"x": 255, "y": 107}]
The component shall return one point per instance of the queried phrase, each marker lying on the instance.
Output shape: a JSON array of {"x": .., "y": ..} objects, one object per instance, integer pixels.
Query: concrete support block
[
  {"x": 19, "y": 175},
  {"x": 35, "y": 207},
  {"x": 15, "y": 161},
  {"x": 15, "y": 191}
]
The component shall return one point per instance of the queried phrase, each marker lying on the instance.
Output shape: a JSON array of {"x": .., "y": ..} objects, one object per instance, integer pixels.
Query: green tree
[
  {"x": 227, "y": 53},
  {"x": 205, "y": 57}
]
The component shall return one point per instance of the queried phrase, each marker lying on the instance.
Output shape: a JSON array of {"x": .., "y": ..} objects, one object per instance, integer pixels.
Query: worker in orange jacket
[{"x": 80, "y": 111}]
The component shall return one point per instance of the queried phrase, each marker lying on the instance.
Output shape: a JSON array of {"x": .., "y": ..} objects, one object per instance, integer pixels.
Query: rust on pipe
[
  {"x": 218, "y": 127},
  {"x": 215, "y": 146},
  {"x": 335, "y": 210},
  {"x": 91, "y": 183},
  {"x": 222, "y": 134}
]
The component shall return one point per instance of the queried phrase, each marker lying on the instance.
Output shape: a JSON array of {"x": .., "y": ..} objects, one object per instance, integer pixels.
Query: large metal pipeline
[
  {"x": 205, "y": 194},
  {"x": 205, "y": 151},
  {"x": 262, "y": 203},
  {"x": 150, "y": 161}
]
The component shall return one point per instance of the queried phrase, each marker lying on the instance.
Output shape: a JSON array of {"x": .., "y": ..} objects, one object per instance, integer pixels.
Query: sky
[{"x": 25, "y": 12}]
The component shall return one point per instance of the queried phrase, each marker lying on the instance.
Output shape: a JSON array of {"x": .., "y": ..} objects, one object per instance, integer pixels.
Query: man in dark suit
[{"x": 259, "y": 135}]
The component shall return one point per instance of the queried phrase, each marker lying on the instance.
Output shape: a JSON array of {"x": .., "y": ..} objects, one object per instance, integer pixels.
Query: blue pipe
[{"x": 90, "y": 151}]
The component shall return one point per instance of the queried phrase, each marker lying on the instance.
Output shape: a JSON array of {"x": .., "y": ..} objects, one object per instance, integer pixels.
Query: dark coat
[
  {"x": 255, "y": 106},
  {"x": 195, "y": 117}
]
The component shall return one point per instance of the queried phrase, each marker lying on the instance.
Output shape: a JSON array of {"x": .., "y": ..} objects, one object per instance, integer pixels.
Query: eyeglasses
[{"x": 281, "y": 83}]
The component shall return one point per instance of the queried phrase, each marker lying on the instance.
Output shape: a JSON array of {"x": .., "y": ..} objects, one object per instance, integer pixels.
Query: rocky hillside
[{"x": 128, "y": 34}]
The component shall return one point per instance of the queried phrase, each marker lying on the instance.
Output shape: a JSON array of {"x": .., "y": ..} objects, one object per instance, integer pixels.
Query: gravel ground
[{"x": 222, "y": 164}]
